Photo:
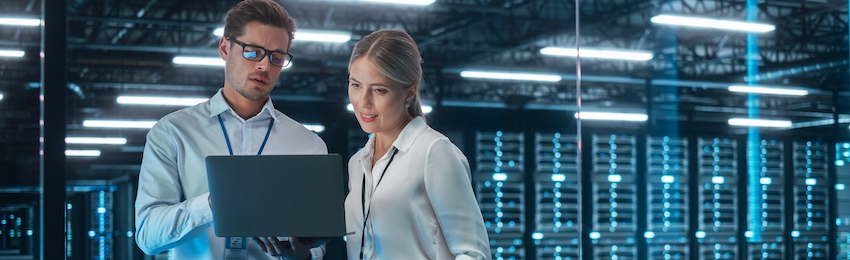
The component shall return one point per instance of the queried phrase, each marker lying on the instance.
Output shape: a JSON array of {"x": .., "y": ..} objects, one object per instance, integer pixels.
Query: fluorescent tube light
[
  {"x": 208, "y": 61},
  {"x": 118, "y": 124},
  {"x": 598, "y": 53},
  {"x": 202, "y": 61},
  {"x": 425, "y": 108},
  {"x": 615, "y": 178},
  {"x": 768, "y": 90},
  {"x": 759, "y": 122},
  {"x": 322, "y": 36},
  {"x": 95, "y": 140},
  {"x": 668, "y": 179},
  {"x": 765, "y": 180},
  {"x": 406, "y": 2},
  {"x": 20, "y": 21},
  {"x": 218, "y": 31},
  {"x": 712, "y": 23},
  {"x": 89, "y": 153},
  {"x": 12, "y": 53},
  {"x": 510, "y": 76},
  {"x": 309, "y": 35},
  {"x": 159, "y": 101},
  {"x": 612, "y": 116},
  {"x": 315, "y": 127}
]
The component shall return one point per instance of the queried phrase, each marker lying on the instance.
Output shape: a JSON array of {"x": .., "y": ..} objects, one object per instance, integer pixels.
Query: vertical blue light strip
[
  {"x": 556, "y": 201},
  {"x": 499, "y": 183},
  {"x": 753, "y": 136},
  {"x": 101, "y": 225},
  {"x": 665, "y": 164},
  {"x": 612, "y": 162}
]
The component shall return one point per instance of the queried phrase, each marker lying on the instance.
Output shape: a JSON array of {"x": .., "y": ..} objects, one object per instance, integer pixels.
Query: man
[{"x": 172, "y": 204}]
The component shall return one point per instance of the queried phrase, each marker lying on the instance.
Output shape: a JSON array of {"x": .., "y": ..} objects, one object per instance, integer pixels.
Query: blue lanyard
[{"x": 227, "y": 139}]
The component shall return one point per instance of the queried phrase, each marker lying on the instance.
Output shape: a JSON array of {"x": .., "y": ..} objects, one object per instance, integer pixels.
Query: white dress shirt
[
  {"x": 171, "y": 205},
  {"x": 424, "y": 206}
]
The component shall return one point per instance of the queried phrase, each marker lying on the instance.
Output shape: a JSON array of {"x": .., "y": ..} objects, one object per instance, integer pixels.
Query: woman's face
[{"x": 378, "y": 101}]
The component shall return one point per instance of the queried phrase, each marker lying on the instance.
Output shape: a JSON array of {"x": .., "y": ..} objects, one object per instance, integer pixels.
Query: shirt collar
[{"x": 218, "y": 105}]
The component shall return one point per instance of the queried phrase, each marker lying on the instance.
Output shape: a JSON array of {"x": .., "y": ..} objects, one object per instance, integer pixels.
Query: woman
[{"x": 411, "y": 195}]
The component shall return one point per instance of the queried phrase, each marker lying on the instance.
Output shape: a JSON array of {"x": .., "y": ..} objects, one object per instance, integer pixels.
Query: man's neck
[{"x": 242, "y": 106}]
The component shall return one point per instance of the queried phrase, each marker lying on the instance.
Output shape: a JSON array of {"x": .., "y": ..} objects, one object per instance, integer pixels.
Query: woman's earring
[{"x": 406, "y": 104}]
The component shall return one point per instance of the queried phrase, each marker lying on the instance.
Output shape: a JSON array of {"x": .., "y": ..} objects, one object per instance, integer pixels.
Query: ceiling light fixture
[
  {"x": 208, "y": 61},
  {"x": 617, "y": 54},
  {"x": 768, "y": 90},
  {"x": 159, "y": 101},
  {"x": 95, "y": 140},
  {"x": 315, "y": 127},
  {"x": 12, "y": 53},
  {"x": 612, "y": 116},
  {"x": 510, "y": 76},
  {"x": 202, "y": 61},
  {"x": 82, "y": 153},
  {"x": 322, "y": 36},
  {"x": 676, "y": 20},
  {"x": 20, "y": 21},
  {"x": 143, "y": 124},
  {"x": 759, "y": 122}
]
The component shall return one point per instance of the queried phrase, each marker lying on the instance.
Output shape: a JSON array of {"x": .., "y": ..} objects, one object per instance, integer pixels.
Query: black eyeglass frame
[{"x": 284, "y": 63}]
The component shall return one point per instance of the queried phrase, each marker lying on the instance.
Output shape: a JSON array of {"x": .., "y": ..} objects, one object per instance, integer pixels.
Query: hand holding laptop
[{"x": 298, "y": 248}]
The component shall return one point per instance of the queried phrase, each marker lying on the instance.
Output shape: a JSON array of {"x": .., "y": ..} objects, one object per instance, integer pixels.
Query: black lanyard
[
  {"x": 227, "y": 139},
  {"x": 363, "y": 201}
]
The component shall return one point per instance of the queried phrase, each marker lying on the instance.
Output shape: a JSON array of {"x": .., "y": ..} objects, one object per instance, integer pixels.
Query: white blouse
[{"x": 424, "y": 206}]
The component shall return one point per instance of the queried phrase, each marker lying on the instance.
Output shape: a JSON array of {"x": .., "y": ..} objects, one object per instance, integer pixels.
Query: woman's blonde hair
[{"x": 396, "y": 56}]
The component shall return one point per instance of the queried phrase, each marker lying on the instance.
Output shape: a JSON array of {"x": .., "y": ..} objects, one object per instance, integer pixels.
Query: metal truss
[{"x": 133, "y": 41}]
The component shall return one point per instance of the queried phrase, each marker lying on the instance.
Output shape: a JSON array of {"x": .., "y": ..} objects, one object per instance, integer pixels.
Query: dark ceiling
[{"x": 126, "y": 46}]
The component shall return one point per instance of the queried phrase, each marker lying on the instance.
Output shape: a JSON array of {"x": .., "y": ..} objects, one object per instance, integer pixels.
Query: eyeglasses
[{"x": 257, "y": 53}]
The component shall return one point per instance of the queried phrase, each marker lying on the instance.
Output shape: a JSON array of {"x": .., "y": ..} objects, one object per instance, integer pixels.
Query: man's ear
[{"x": 223, "y": 47}]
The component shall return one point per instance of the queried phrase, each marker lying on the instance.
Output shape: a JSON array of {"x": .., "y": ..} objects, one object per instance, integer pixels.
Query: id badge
[{"x": 236, "y": 248}]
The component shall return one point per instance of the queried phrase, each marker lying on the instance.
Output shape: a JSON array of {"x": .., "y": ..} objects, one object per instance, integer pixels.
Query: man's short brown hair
[{"x": 265, "y": 12}]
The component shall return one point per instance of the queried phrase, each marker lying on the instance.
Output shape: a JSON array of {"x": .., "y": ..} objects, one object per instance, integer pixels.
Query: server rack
[
  {"x": 499, "y": 187},
  {"x": 612, "y": 180},
  {"x": 556, "y": 196}
]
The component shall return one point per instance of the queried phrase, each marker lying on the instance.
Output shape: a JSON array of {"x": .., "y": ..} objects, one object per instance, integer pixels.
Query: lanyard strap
[
  {"x": 227, "y": 139},
  {"x": 363, "y": 201}
]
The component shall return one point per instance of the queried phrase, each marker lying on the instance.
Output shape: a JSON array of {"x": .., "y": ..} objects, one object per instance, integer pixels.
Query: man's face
[{"x": 253, "y": 80}]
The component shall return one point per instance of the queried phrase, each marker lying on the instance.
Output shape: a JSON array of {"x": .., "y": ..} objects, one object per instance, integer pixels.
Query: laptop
[{"x": 277, "y": 195}]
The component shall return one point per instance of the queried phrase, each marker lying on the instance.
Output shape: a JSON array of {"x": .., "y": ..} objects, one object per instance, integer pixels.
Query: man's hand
[{"x": 292, "y": 249}]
